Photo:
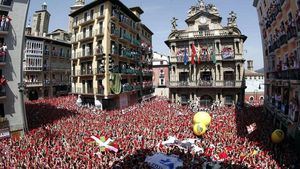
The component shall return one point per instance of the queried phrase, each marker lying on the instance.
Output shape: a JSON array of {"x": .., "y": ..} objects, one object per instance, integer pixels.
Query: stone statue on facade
[
  {"x": 232, "y": 19},
  {"x": 80, "y": 2},
  {"x": 201, "y": 5},
  {"x": 174, "y": 24}
]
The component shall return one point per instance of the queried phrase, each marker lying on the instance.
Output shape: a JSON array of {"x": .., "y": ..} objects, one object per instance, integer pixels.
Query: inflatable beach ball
[
  {"x": 199, "y": 129},
  {"x": 277, "y": 136},
  {"x": 202, "y": 117}
]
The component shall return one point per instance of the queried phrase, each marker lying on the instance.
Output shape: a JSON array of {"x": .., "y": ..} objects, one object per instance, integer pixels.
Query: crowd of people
[{"x": 60, "y": 137}]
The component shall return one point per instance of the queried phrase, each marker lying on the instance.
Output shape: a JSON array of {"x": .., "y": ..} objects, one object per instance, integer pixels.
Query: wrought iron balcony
[{"x": 229, "y": 83}]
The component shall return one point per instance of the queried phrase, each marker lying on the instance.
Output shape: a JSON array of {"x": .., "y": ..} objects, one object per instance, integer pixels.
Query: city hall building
[{"x": 206, "y": 58}]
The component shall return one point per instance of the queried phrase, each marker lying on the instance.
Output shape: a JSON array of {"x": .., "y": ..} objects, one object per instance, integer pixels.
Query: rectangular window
[
  {"x": 101, "y": 10},
  {"x": 100, "y": 27},
  {"x": 85, "y": 16},
  {"x": 91, "y": 14}
]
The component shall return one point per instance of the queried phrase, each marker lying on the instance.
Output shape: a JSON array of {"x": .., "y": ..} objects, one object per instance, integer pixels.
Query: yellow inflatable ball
[
  {"x": 202, "y": 117},
  {"x": 199, "y": 129},
  {"x": 277, "y": 136}
]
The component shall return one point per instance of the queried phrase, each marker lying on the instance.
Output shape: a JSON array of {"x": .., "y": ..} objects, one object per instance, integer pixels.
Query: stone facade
[
  {"x": 160, "y": 64},
  {"x": 40, "y": 21},
  {"x": 215, "y": 73},
  {"x": 111, "y": 47}
]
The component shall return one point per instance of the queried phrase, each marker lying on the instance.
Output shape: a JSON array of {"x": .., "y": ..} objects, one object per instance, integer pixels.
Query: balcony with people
[
  {"x": 86, "y": 69},
  {"x": 130, "y": 53},
  {"x": 206, "y": 79},
  {"x": 283, "y": 34},
  {"x": 100, "y": 89},
  {"x": 272, "y": 12},
  {"x": 98, "y": 51},
  {"x": 6, "y": 2},
  {"x": 229, "y": 79},
  {"x": 3, "y": 52},
  {"x": 33, "y": 80},
  {"x": 4, "y": 24},
  {"x": 87, "y": 87},
  {"x": 2, "y": 88}
]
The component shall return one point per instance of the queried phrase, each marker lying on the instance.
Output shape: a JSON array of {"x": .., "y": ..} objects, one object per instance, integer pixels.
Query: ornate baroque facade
[{"x": 206, "y": 58}]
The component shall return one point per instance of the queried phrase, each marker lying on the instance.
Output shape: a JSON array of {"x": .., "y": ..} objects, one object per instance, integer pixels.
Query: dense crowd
[{"x": 60, "y": 132}]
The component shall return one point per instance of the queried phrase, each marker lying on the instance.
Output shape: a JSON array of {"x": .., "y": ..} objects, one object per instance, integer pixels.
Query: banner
[
  {"x": 227, "y": 53},
  {"x": 105, "y": 144},
  {"x": 251, "y": 128},
  {"x": 188, "y": 144},
  {"x": 185, "y": 58},
  {"x": 4, "y": 133},
  {"x": 162, "y": 161}
]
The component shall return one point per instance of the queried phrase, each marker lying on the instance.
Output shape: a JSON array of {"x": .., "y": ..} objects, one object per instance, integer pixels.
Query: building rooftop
[
  {"x": 116, "y": 2},
  {"x": 59, "y": 42},
  {"x": 252, "y": 73}
]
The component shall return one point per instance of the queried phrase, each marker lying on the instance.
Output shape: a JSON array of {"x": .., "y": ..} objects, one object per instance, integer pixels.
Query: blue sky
[{"x": 158, "y": 14}]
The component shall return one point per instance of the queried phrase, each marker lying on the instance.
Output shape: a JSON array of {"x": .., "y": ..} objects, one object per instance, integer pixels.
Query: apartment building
[
  {"x": 47, "y": 59},
  {"x": 111, "y": 54},
  {"x": 206, "y": 58},
  {"x": 279, "y": 23},
  {"x": 12, "y": 114},
  {"x": 47, "y": 67}
]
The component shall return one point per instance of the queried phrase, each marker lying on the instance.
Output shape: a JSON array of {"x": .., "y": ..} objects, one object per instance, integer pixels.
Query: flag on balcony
[
  {"x": 205, "y": 54},
  {"x": 199, "y": 54},
  {"x": 194, "y": 54},
  {"x": 213, "y": 55},
  {"x": 185, "y": 58},
  {"x": 180, "y": 55}
]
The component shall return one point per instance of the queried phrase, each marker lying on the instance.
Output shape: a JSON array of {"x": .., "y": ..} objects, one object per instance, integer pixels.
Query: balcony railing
[
  {"x": 98, "y": 32},
  {"x": 6, "y": 2},
  {"x": 4, "y": 28},
  {"x": 290, "y": 74},
  {"x": 126, "y": 37},
  {"x": 88, "y": 72},
  {"x": 115, "y": 32},
  {"x": 181, "y": 83},
  {"x": 2, "y": 59},
  {"x": 208, "y": 33},
  {"x": 229, "y": 83},
  {"x": 136, "y": 42},
  {"x": 99, "y": 71},
  {"x": 34, "y": 84},
  {"x": 206, "y": 83}
]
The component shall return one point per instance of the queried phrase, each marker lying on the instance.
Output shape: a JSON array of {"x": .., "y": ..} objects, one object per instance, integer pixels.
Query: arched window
[
  {"x": 251, "y": 99},
  {"x": 239, "y": 71}
]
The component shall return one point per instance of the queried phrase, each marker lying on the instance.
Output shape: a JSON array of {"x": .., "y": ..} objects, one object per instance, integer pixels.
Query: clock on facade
[{"x": 202, "y": 20}]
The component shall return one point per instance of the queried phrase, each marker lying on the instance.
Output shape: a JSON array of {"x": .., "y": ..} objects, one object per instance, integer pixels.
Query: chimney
[
  {"x": 250, "y": 65},
  {"x": 137, "y": 11}
]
